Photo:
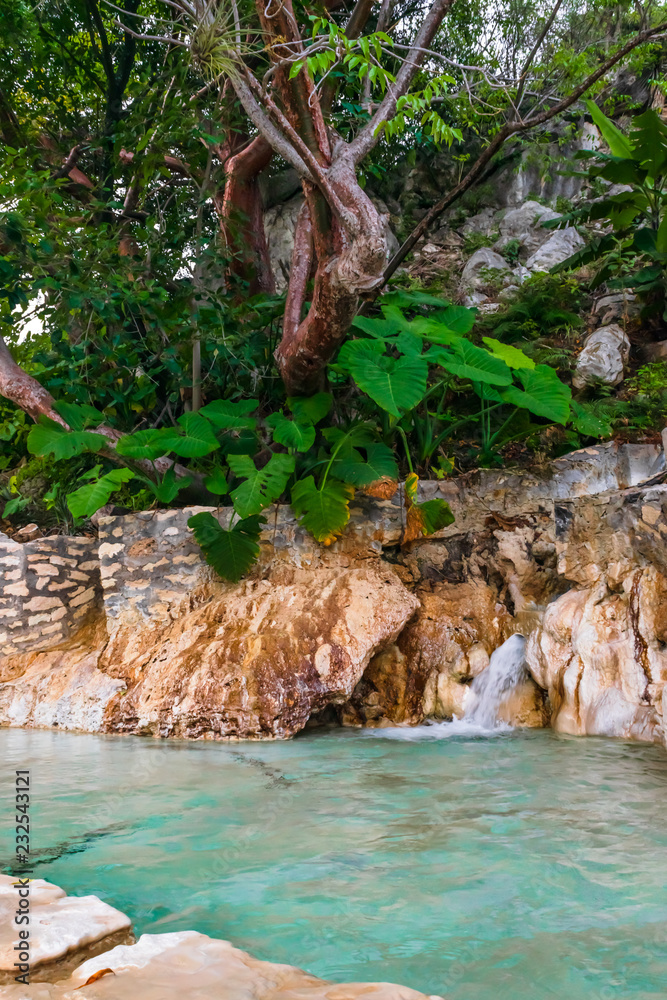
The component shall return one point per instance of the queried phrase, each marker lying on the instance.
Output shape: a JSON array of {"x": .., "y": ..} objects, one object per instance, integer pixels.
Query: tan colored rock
[
  {"x": 427, "y": 672},
  {"x": 59, "y": 925},
  {"x": 256, "y": 659},
  {"x": 601, "y": 657},
  {"x": 188, "y": 964}
]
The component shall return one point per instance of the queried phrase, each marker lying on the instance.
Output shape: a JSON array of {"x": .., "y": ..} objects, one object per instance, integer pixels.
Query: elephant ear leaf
[
  {"x": 618, "y": 143},
  {"x": 231, "y": 552},
  {"x": 89, "y": 498},
  {"x": 79, "y": 416},
  {"x": 50, "y": 438},
  {"x": 323, "y": 512},
  {"x": 395, "y": 384},
  {"x": 377, "y": 476},
  {"x": 423, "y": 518},
  {"x": 512, "y": 356},
  {"x": 543, "y": 394},
  {"x": 467, "y": 361},
  {"x": 291, "y": 433},
  {"x": 310, "y": 409},
  {"x": 193, "y": 438},
  {"x": 227, "y": 414},
  {"x": 260, "y": 486},
  {"x": 149, "y": 444},
  {"x": 588, "y": 423}
]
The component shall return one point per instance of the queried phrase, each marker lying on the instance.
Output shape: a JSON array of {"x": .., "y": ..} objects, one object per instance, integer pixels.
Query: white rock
[
  {"x": 524, "y": 224},
  {"x": 472, "y": 278},
  {"x": 59, "y": 924},
  {"x": 187, "y": 964},
  {"x": 561, "y": 245},
  {"x": 605, "y": 353}
]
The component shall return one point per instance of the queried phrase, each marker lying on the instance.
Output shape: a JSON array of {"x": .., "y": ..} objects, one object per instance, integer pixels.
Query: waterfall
[{"x": 494, "y": 685}]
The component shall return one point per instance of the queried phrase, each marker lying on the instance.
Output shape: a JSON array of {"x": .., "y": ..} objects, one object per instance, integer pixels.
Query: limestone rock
[
  {"x": 258, "y": 658},
  {"x": 561, "y": 245},
  {"x": 603, "y": 358},
  {"x": 473, "y": 278},
  {"x": 524, "y": 224},
  {"x": 188, "y": 964},
  {"x": 59, "y": 925}
]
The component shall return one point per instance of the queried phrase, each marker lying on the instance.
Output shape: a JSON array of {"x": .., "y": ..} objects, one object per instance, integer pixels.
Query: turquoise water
[{"x": 522, "y": 866}]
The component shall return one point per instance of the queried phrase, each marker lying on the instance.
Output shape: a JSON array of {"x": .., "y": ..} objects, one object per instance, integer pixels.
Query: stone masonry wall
[{"x": 47, "y": 588}]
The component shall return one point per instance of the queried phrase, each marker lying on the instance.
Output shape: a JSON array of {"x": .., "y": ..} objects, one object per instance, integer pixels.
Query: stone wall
[{"x": 47, "y": 589}]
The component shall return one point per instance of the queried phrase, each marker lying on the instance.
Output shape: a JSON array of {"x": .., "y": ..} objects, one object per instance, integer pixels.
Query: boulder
[
  {"x": 561, "y": 245},
  {"x": 188, "y": 964},
  {"x": 257, "y": 659},
  {"x": 525, "y": 225},
  {"x": 64, "y": 930},
  {"x": 473, "y": 277},
  {"x": 603, "y": 358}
]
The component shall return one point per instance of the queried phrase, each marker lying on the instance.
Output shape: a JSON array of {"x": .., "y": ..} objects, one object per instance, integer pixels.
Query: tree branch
[
  {"x": 535, "y": 49},
  {"x": 509, "y": 129},
  {"x": 370, "y": 134}
]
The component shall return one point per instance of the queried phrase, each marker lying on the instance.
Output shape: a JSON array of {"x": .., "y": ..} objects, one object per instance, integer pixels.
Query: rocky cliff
[{"x": 366, "y": 632}]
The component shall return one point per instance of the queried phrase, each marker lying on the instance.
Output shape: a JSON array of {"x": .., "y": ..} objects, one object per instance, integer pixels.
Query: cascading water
[{"x": 495, "y": 684}]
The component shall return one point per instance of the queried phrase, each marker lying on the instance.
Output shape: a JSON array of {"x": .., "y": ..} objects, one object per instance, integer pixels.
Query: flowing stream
[{"x": 527, "y": 866}]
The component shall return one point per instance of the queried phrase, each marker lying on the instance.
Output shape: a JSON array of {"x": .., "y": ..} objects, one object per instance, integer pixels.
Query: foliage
[{"x": 634, "y": 254}]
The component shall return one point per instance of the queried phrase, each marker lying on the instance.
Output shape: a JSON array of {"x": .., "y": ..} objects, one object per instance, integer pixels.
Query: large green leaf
[
  {"x": 310, "y": 408},
  {"x": 232, "y": 552},
  {"x": 79, "y": 416},
  {"x": 512, "y": 356},
  {"x": 380, "y": 463},
  {"x": 323, "y": 512},
  {"x": 50, "y": 438},
  {"x": 194, "y": 441},
  {"x": 467, "y": 361},
  {"x": 587, "y": 422},
  {"x": 147, "y": 444},
  {"x": 261, "y": 486},
  {"x": 458, "y": 319},
  {"x": 291, "y": 433},
  {"x": 618, "y": 143},
  {"x": 227, "y": 415},
  {"x": 169, "y": 486},
  {"x": 649, "y": 139},
  {"x": 89, "y": 498},
  {"x": 395, "y": 384},
  {"x": 543, "y": 394},
  {"x": 216, "y": 482}
]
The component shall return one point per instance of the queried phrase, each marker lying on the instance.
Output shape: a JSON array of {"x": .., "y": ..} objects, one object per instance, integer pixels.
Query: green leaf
[
  {"x": 661, "y": 235},
  {"x": 49, "y": 438},
  {"x": 395, "y": 384},
  {"x": 15, "y": 506},
  {"x": 470, "y": 362},
  {"x": 291, "y": 433},
  {"x": 227, "y": 415},
  {"x": 586, "y": 422},
  {"x": 618, "y": 143},
  {"x": 232, "y": 552},
  {"x": 649, "y": 140},
  {"x": 169, "y": 486},
  {"x": 196, "y": 440},
  {"x": 261, "y": 486},
  {"x": 323, "y": 512},
  {"x": 435, "y": 514},
  {"x": 89, "y": 498},
  {"x": 380, "y": 463},
  {"x": 543, "y": 394},
  {"x": 512, "y": 356},
  {"x": 78, "y": 416},
  {"x": 458, "y": 319},
  {"x": 147, "y": 444},
  {"x": 217, "y": 483},
  {"x": 310, "y": 408}
]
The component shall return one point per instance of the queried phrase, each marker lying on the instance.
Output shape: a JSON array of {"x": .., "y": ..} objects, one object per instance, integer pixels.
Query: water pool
[{"x": 526, "y": 865}]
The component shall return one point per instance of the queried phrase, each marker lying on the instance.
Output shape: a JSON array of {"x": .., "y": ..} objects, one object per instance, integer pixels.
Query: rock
[
  {"x": 488, "y": 308},
  {"x": 561, "y": 245},
  {"x": 655, "y": 352},
  {"x": 603, "y": 358},
  {"x": 601, "y": 650},
  {"x": 258, "y": 658},
  {"x": 524, "y": 224},
  {"x": 189, "y": 964},
  {"x": 473, "y": 277},
  {"x": 61, "y": 927},
  {"x": 611, "y": 307},
  {"x": 427, "y": 672},
  {"x": 28, "y": 533},
  {"x": 279, "y": 226},
  {"x": 484, "y": 222},
  {"x": 508, "y": 293}
]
